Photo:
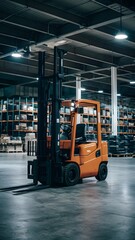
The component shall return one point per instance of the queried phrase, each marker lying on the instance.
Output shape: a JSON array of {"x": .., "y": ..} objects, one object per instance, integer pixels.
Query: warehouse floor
[{"x": 88, "y": 211}]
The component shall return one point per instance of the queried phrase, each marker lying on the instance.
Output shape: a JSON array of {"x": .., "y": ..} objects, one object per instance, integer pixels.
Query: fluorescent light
[
  {"x": 60, "y": 42},
  {"x": 121, "y": 36},
  {"x": 133, "y": 82},
  {"x": 37, "y": 78},
  {"x": 118, "y": 94},
  {"x": 100, "y": 91},
  {"x": 83, "y": 89},
  {"x": 16, "y": 54}
]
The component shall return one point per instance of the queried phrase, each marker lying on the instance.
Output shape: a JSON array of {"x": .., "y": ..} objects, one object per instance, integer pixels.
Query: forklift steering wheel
[
  {"x": 66, "y": 128},
  {"x": 66, "y": 131}
]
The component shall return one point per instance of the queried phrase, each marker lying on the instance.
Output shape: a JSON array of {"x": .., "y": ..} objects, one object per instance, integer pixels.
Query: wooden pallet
[
  {"x": 121, "y": 155},
  {"x": 129, "y": 155},
  {"x": 13, "y": 151}
]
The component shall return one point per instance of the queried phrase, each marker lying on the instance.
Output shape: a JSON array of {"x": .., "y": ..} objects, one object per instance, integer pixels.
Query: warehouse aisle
[{"x": 88, "y": 211}]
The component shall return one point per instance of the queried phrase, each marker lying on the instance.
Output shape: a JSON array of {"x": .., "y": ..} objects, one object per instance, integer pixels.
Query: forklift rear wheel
[
  {"x": 102, "y": 172},
  {"x": 71, "y": 174}
]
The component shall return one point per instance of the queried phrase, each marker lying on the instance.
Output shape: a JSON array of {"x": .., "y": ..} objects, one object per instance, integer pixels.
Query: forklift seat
[{"x": 80, "y": 133}]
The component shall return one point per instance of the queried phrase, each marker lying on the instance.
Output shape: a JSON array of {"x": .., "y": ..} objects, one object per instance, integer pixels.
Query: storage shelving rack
[
  {"x": 18, "y": 116},
  {"x": 88, "y": 117},
  {"x": 106, "y": 120},
  {"x": 126, "y": 121}
]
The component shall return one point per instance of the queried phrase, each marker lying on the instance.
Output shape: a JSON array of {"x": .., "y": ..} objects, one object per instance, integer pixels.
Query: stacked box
[
  {"x": 116, "y": 146},
  {"x": 105, "y": 137},
  {"x": 131, "y": 144},
  {"x": 10, "y": 144},
  {"x": 122, "y": 144}
]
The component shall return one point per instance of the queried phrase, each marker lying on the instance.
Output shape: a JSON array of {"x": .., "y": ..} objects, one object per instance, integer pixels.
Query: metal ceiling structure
[{"x": 87, "y": 27}]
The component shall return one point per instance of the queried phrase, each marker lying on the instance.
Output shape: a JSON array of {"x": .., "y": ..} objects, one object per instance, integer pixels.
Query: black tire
[
  {"x": 102, "y": 172},
  {"x": 71, "y": 174}
]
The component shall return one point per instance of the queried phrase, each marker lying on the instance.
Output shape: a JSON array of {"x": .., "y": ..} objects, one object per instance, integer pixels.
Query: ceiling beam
[
  {"x": 46, "y": 39},
  {"x": 88, "y": 62},
  {"x": 17, "y": 68},
  {"x": 25, "y": 23},
  {"x": 104, "y": 45},
  {"x": 10, "y": 31},
  {"x": 93, "y": 21},
  {"x": 128, "y": 4},
  {"x": 10, "y": 42},
  {"x": 88, "y": 53},
  {"x": 112, "y": 30},
  {"x": 50, "y": 11}
]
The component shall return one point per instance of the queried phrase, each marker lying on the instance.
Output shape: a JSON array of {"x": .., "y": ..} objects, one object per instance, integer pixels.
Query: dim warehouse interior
[{"x": 93, "y": 39}]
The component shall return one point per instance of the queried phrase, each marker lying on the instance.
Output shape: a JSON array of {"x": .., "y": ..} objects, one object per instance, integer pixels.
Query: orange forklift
[{"x": 66, "y": 154}]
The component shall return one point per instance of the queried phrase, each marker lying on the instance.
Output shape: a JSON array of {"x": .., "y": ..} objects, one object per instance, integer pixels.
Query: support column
[
  {"x": 78, "y": 87},
  {"x": 78, "y": 92},
  {"x": 114, "y": 99}
]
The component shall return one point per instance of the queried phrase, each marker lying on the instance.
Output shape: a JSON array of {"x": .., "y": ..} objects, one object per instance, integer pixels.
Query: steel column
[
  {"x": 114, "y": 99},
  {"x": 56, "y": 104},
  {"x": 43, "y": 169},
  {"x": 78, "y": 87}
]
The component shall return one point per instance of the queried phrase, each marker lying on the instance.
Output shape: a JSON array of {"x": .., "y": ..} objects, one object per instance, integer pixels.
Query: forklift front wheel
[
  {"x": 102, "y": 172},
  {"x": 71, "y": 174}
]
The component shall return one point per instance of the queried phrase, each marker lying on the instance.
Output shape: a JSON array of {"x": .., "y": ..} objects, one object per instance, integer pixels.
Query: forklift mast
[
  {"x": 56, "y": 167},
  {"x": 47, "y": 167}
]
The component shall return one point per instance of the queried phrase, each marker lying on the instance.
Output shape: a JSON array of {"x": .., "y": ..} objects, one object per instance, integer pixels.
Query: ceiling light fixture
[
  {"x": 60, "y": 42},
  {"x": 121, "y": 35},
  {"x": 100, "y": 91},
  {"x": 118, "y": 94},
  {"x": 83, "y": 89},
  {"x": 16, "y": 54},
  {"x": 52, "y": 44},
  {"x": 132, "y": 82}
]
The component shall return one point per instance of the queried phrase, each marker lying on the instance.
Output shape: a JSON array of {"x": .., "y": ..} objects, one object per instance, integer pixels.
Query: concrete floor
[{"x": 89, "y": 211}]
